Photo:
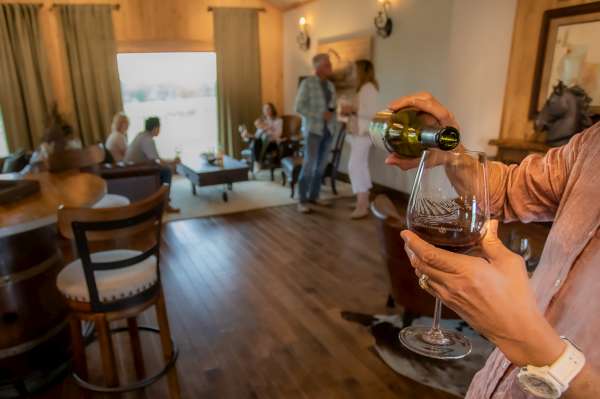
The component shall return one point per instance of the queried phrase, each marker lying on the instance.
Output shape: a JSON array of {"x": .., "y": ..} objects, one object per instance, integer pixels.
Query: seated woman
[
  {"x": 116, "y": 143},
  {"x": 269, "y": 128}
]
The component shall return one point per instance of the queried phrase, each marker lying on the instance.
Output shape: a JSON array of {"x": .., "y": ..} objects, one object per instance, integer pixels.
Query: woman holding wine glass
[{"x": 545, "y": 332}]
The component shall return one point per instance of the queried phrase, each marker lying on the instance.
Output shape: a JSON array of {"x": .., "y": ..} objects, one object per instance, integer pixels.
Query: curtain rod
[
  {"x": 262, "y": 9},
  {"x": 114, "y": 6},
  {"x": 23, "y": 4}
]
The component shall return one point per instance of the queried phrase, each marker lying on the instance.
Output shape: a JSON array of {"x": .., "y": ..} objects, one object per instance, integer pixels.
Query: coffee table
[{"x": 201, "y": 173}]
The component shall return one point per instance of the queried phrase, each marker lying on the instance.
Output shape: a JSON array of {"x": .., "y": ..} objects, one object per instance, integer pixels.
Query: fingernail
[
  {"x": 410, "y": 253},
  {"x": 404, "y": 237}
]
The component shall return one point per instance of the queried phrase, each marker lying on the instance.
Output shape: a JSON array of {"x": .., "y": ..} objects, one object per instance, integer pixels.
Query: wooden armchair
[
  {"x": 404, "y": 285},
  {"x": 288, "y": 144}
]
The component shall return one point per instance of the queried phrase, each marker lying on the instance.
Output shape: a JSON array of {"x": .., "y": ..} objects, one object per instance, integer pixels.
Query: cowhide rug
[{"x": 452, "y": 376}]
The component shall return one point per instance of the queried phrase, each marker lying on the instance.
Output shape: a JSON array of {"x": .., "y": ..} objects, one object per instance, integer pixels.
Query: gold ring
[{"x": 423, "y": 282}]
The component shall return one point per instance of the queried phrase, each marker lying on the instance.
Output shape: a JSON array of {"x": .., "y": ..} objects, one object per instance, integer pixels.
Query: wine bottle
[{"x": 408, "y": 132}]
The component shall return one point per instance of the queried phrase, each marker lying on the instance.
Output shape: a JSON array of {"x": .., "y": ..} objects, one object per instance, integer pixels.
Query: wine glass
[{"x": 448, "y": 208}]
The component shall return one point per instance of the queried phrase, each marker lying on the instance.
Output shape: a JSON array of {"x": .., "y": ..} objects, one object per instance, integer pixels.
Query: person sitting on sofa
[
  {"x": 58, "y": 137},
  {"x": 116, "y": 143},
  {"x": 143, "y": 149},
  {"x": 269, "y": 127}
]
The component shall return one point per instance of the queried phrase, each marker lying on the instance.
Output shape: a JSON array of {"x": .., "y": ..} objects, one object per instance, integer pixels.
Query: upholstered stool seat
[
  {"x": 290, "y": 170},
  {"x": 113, "y": 284},
  {"x": 112, "y": 201}
]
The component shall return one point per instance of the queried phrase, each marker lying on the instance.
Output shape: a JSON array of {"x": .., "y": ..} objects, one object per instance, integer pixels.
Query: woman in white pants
[{"x": 362, "y": 113}]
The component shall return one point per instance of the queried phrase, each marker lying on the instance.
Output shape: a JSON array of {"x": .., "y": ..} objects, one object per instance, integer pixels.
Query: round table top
[{"x": 70, "y": 188}]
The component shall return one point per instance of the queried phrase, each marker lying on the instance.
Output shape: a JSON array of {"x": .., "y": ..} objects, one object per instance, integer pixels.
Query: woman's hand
[
  {"x": 259, "y": 123},
  {"x": 423, "y": 101},
  {"x": 492, "y": 294}
]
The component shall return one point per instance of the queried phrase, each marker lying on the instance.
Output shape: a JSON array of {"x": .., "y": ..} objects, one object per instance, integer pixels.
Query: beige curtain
[
  {"x": 238, "y": 73},
  {"x": 25, "y": 95},
  {"x": 91, "y": 54}
]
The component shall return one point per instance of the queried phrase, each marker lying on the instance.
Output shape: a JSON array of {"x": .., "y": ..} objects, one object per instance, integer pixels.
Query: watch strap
[{"x": 568, "y": 365}]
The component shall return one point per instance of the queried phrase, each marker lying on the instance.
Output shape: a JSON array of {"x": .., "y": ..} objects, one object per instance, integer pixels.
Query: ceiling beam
[
  {"x": 297, "y": 4},
  {"x": 288, "y": 7}
]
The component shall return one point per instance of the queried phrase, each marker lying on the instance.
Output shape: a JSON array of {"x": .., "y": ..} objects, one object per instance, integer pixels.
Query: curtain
[
  {"x": 238, "y": 73},
  {"x": 91, "y": 54},
  {"x": 25, "y": 95}
]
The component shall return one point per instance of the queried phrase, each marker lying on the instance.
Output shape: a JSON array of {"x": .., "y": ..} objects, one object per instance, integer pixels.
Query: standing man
[
  {"x": 316, "y": 103},
  {"x": 143, "y": 150}
]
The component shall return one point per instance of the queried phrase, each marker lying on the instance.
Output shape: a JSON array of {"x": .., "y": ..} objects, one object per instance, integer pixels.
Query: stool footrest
[{"x": 134, "y": 385}]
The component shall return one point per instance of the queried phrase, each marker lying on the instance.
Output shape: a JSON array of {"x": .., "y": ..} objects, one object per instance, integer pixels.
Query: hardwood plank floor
[{"x": 254, "y": 303}]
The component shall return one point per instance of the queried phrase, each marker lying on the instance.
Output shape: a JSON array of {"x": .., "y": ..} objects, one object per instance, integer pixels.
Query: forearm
[
  {"x": 540, "y": 345},
  {"x": 530, "y": 340}
]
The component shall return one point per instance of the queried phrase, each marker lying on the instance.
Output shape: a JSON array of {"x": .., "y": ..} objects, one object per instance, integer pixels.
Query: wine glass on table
[{"x": 448, "y": 208}]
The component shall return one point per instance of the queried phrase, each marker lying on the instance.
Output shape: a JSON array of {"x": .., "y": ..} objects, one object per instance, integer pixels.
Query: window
[
  {"x": 179, "y": 88},
  {"x": 3, "y": 145}
]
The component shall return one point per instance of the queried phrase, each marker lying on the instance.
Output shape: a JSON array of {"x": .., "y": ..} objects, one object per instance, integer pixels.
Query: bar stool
[{"x": 106, "y": 286}]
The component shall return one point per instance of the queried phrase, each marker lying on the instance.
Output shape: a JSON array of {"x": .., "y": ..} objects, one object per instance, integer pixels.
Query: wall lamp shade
[
  {"x": 383, "y": 23},
  {"x": 303, "y": 38}
]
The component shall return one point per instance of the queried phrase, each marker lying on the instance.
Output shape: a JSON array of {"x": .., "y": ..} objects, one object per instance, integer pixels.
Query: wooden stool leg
[
  {"x": 167, "y": 347},
  {"x": 136, "y": 347},
  {"x": 79, "y": 362},
  {"x": 109, "y": 365}
]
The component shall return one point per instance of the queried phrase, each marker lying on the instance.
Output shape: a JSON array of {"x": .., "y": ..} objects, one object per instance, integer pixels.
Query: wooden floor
[{"x": 254, "y": 302}]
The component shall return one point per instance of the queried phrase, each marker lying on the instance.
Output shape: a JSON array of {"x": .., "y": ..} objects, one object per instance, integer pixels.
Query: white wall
[{"x": 456, "y": 49}]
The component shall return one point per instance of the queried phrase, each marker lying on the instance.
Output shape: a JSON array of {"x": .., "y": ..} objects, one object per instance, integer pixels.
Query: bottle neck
[{"x": 445, "y": 138}]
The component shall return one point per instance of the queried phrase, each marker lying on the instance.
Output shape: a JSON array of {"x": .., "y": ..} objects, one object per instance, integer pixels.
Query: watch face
[{"x": 538, "y": 387}]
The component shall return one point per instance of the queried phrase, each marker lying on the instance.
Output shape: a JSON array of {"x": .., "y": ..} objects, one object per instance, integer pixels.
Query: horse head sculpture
[{"x": 565, "y": 113}]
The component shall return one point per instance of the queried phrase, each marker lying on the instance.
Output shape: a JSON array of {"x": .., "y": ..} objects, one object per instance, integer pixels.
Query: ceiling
[{"x": 287, "y": 4}]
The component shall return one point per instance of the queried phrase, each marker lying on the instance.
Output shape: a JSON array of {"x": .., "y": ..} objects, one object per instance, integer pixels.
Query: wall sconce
[
  {"x": 303, "y": 39},
  {"x": 383, "y": 23}
]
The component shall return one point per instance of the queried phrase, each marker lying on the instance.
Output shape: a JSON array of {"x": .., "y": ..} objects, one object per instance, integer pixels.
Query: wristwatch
[{"x": 550, "y": 382}]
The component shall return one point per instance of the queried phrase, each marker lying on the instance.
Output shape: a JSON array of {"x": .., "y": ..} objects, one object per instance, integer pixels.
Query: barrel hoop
[
  {"x": 40, "y": 268},
  {"x": 29, "y": 345}
]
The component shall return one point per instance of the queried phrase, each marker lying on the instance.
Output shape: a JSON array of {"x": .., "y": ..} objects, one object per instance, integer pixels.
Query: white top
[
  {"x": 366, "y": 108},
  {"x": 273, "y": 128},
  {"x": 116, "y": 143}
]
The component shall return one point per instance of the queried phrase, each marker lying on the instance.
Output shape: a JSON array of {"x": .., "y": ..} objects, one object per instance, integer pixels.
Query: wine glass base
[{"x": 454, "y": 346}]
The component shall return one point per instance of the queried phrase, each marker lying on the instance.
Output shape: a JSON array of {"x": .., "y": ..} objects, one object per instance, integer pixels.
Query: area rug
[
  {"x": 258, "y": 193},
  {"x": 452, "y": 376}
]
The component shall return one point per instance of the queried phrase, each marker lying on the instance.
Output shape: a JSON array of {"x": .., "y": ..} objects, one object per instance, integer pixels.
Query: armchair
[{"x": 287, "y": 145}]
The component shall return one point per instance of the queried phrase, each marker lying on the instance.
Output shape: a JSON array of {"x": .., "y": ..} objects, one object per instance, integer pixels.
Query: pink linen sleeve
[{"x": 532, "y": 190}]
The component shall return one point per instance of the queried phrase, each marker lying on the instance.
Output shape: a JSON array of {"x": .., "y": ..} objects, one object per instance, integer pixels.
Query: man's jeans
[
  {"x": 166, "y": 175},
  {"x": 316, "y": 154}
]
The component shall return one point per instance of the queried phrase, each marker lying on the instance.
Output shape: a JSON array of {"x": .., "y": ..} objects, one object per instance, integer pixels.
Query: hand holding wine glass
[{"x": 491, "y": 293}]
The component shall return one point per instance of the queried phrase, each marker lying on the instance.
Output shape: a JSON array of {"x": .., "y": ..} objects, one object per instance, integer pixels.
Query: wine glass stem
[
  {"x": 437, "y": 315},
  {"x": 436, "y": 336}
]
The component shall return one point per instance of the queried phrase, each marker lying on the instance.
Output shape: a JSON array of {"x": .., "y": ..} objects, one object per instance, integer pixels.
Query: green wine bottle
[{"x": 408, "y": 132}]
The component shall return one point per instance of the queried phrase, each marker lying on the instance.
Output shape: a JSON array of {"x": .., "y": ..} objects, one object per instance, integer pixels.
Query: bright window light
[
  {"x": 179, "y": 88},
  {"x": 3, "y": 145}
]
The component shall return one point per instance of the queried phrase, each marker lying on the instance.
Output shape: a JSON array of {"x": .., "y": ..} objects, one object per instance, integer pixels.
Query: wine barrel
[{"x": 34, "y": 337}]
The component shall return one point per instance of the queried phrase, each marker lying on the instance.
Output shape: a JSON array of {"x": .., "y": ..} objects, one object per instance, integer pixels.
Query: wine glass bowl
[{"x": 448, "y": 208}]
